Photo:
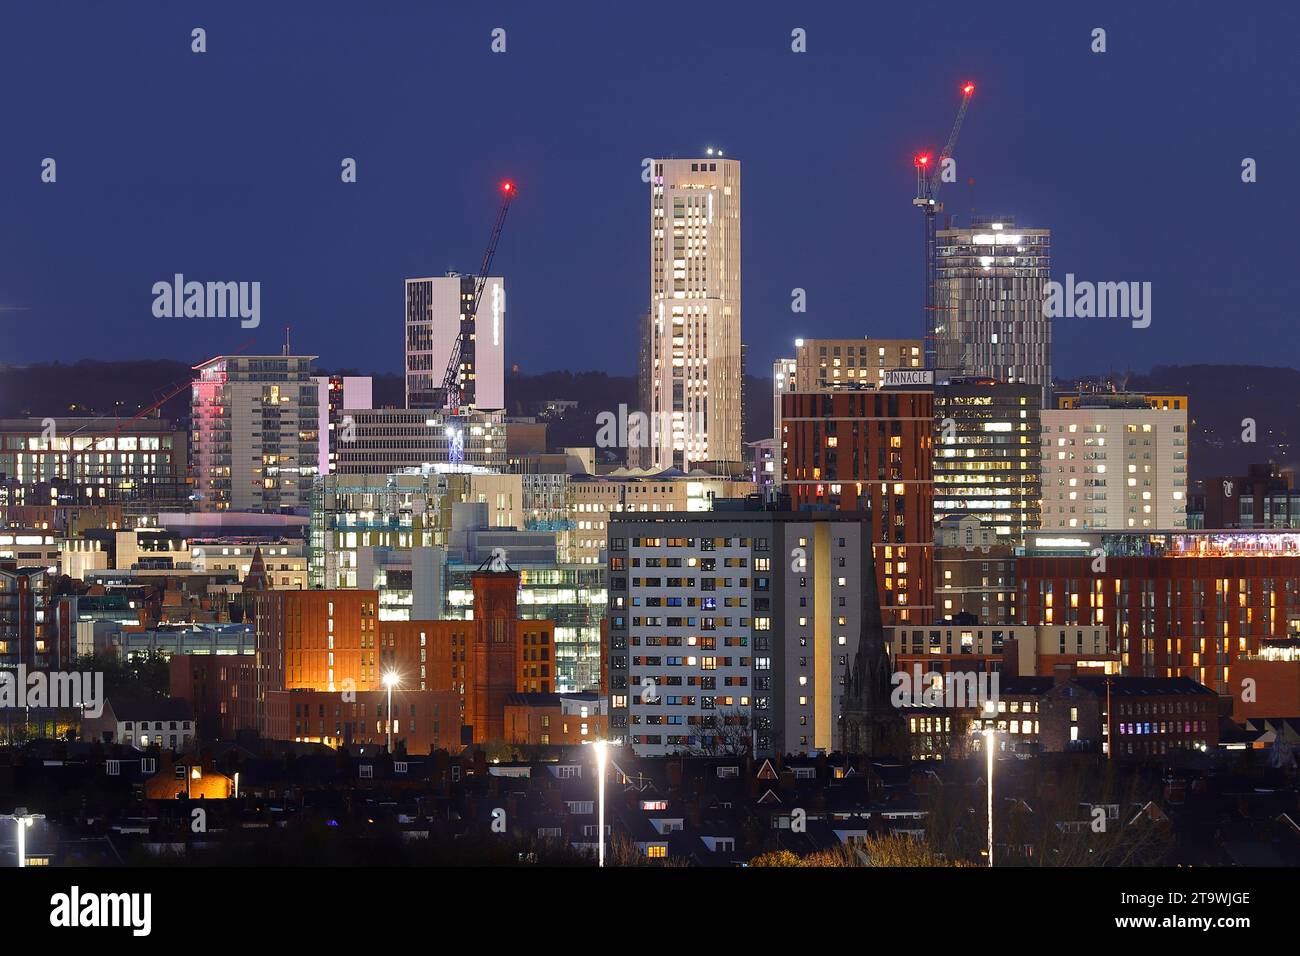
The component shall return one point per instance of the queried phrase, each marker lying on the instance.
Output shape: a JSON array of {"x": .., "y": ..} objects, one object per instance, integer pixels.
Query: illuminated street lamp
[
  {"x": 990, "y": 738},
  {"x": 599, "y": 746},
  {"x": 390, "y": 681},
  {"x": 23, "y": 819}
]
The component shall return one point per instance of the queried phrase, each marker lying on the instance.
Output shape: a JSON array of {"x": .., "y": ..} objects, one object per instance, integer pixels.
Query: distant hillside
[
  {"x": 92, "y": 387},
  {"x": 1220, "y": 396}
]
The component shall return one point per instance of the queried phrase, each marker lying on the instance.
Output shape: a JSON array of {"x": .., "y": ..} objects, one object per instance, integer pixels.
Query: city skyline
[
  {"x": 331, "y": 255},
  {"x": 535, "y": 567}
]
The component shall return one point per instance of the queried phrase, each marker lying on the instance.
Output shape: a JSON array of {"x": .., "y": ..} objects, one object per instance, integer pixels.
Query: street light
[
  {"x": 990, "y": 736},
  {"x": 599, "y": 746},
  {"x": 24, "y": 820},
  {"x": 390, "y": 681}
]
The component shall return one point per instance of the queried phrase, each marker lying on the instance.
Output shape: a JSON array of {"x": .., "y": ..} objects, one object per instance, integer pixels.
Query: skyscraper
[
  {"x": 989, "y": 319},
  {"x": 255, "y": 443},
  {"x": 696, "y": 365},
  {"x": 440, "y": 310}
]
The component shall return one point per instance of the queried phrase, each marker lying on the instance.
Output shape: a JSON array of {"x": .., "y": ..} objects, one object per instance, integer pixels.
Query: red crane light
[
  {"x": 507, "y": 187},
  {"x": 968, "y": 89},
  {"x": 923, "y": 159}
]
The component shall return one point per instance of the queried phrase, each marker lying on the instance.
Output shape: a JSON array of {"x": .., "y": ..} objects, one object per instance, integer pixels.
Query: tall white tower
[{"x": 695, "y": 364}]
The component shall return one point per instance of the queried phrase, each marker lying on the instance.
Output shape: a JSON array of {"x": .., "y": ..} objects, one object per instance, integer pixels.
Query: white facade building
[
  {"x": 695, "y": 366},
  {"x": 1115, "y": 462},
  {"x": 437, "y": 313},
  {"x": 255, "y": 442},
  {"x": 336, "y": 396}
]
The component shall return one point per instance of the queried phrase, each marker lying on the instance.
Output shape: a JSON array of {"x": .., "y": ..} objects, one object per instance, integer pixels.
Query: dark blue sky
[{"x": 225, "y": 166}]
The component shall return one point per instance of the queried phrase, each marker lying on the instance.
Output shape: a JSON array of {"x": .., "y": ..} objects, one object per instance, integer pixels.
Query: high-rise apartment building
[
  {"x": 255, "y": 442},
  {"x": 824, "y": 365},
  {"x": 439, "y": 311},
  {"x": 696, "y": 366},
  {"x": 870, "y": 451},
  {"x": 642, "y": 455},
  {"x": 991, "y": 287},
  {"x": 734, "y": 630},
  {"x": 1115, "y": 461}
]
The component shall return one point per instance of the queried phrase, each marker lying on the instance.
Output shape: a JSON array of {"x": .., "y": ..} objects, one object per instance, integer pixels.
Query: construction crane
[
  {"x": 451, "y": 390},
  {"x": 929, "y": 176},
  {"x": 161, "y": 398}
]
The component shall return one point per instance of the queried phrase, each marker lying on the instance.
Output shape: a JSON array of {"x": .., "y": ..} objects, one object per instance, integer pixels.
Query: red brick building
[
  {"x": 314, "y": 640},
  {"x": 555, "y": 719},
  {"x": 331, "y": 641},
  {"x": 221, "y": 688},
  {"x": 423, "y": 720},
  {"x": 1170, "y": 616},
  {"x": 871, "y": 451},
  {"x": 1267, "y": 683},
  {"x": 1146, "y": 717}
]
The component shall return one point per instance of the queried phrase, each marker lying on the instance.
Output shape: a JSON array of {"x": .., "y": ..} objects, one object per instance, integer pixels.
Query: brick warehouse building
[
  {"x": 331, "y": 642},
  {"x": 1147, "y": 717},
  {"x": 1170, "y": 616},
  {"x": 423, "y": 720},
  {"x": 871, "y": 451}
]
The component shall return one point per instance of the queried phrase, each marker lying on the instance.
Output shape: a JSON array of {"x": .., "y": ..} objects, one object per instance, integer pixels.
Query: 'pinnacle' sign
[{"x": 894, "y": 377}]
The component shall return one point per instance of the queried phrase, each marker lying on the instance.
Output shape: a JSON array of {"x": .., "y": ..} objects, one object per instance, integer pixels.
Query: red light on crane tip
[
  {"x": 923, "y": 159},
  {"x": 968, "y": 89},
  {"x": 507, "y": 186}
]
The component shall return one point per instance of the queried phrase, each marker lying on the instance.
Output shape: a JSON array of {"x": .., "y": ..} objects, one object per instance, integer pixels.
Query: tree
[
  {"x": 901, "y": 850},
  {"x": 728, "y": 733},
  {"x": 777, "y": 858},
  {"x": 144, "y": 675}
]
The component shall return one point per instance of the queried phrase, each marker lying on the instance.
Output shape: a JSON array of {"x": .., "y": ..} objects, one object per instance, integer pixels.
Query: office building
[
  {"x": 439, "y": 318},
  {"x": 140, "y": 465},
  {"x": 1015, "y": 650},
  {"x": 1115, "y": 461},
  {"x": 338, "y": 395},
  {"x": 991, "y": 288},
  {"x": 987, "y": 455},
  {"x": 389, "y": 439},
  {"x": 255, "y": 440},
  {"x": 696, "y": 367},
  {"x": 592, "y": 500}
]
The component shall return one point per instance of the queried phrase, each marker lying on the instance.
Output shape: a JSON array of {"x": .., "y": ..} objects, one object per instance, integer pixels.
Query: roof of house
[{"x": 151, "y": 708}]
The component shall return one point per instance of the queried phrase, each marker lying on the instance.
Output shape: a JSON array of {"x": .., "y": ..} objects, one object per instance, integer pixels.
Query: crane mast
[
  {"x": 451, "y": 390},
  {"x": 929, "y": 176}
]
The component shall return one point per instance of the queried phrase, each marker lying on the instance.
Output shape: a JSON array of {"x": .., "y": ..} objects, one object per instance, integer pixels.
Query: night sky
[{"x": 225, "y": 166}]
